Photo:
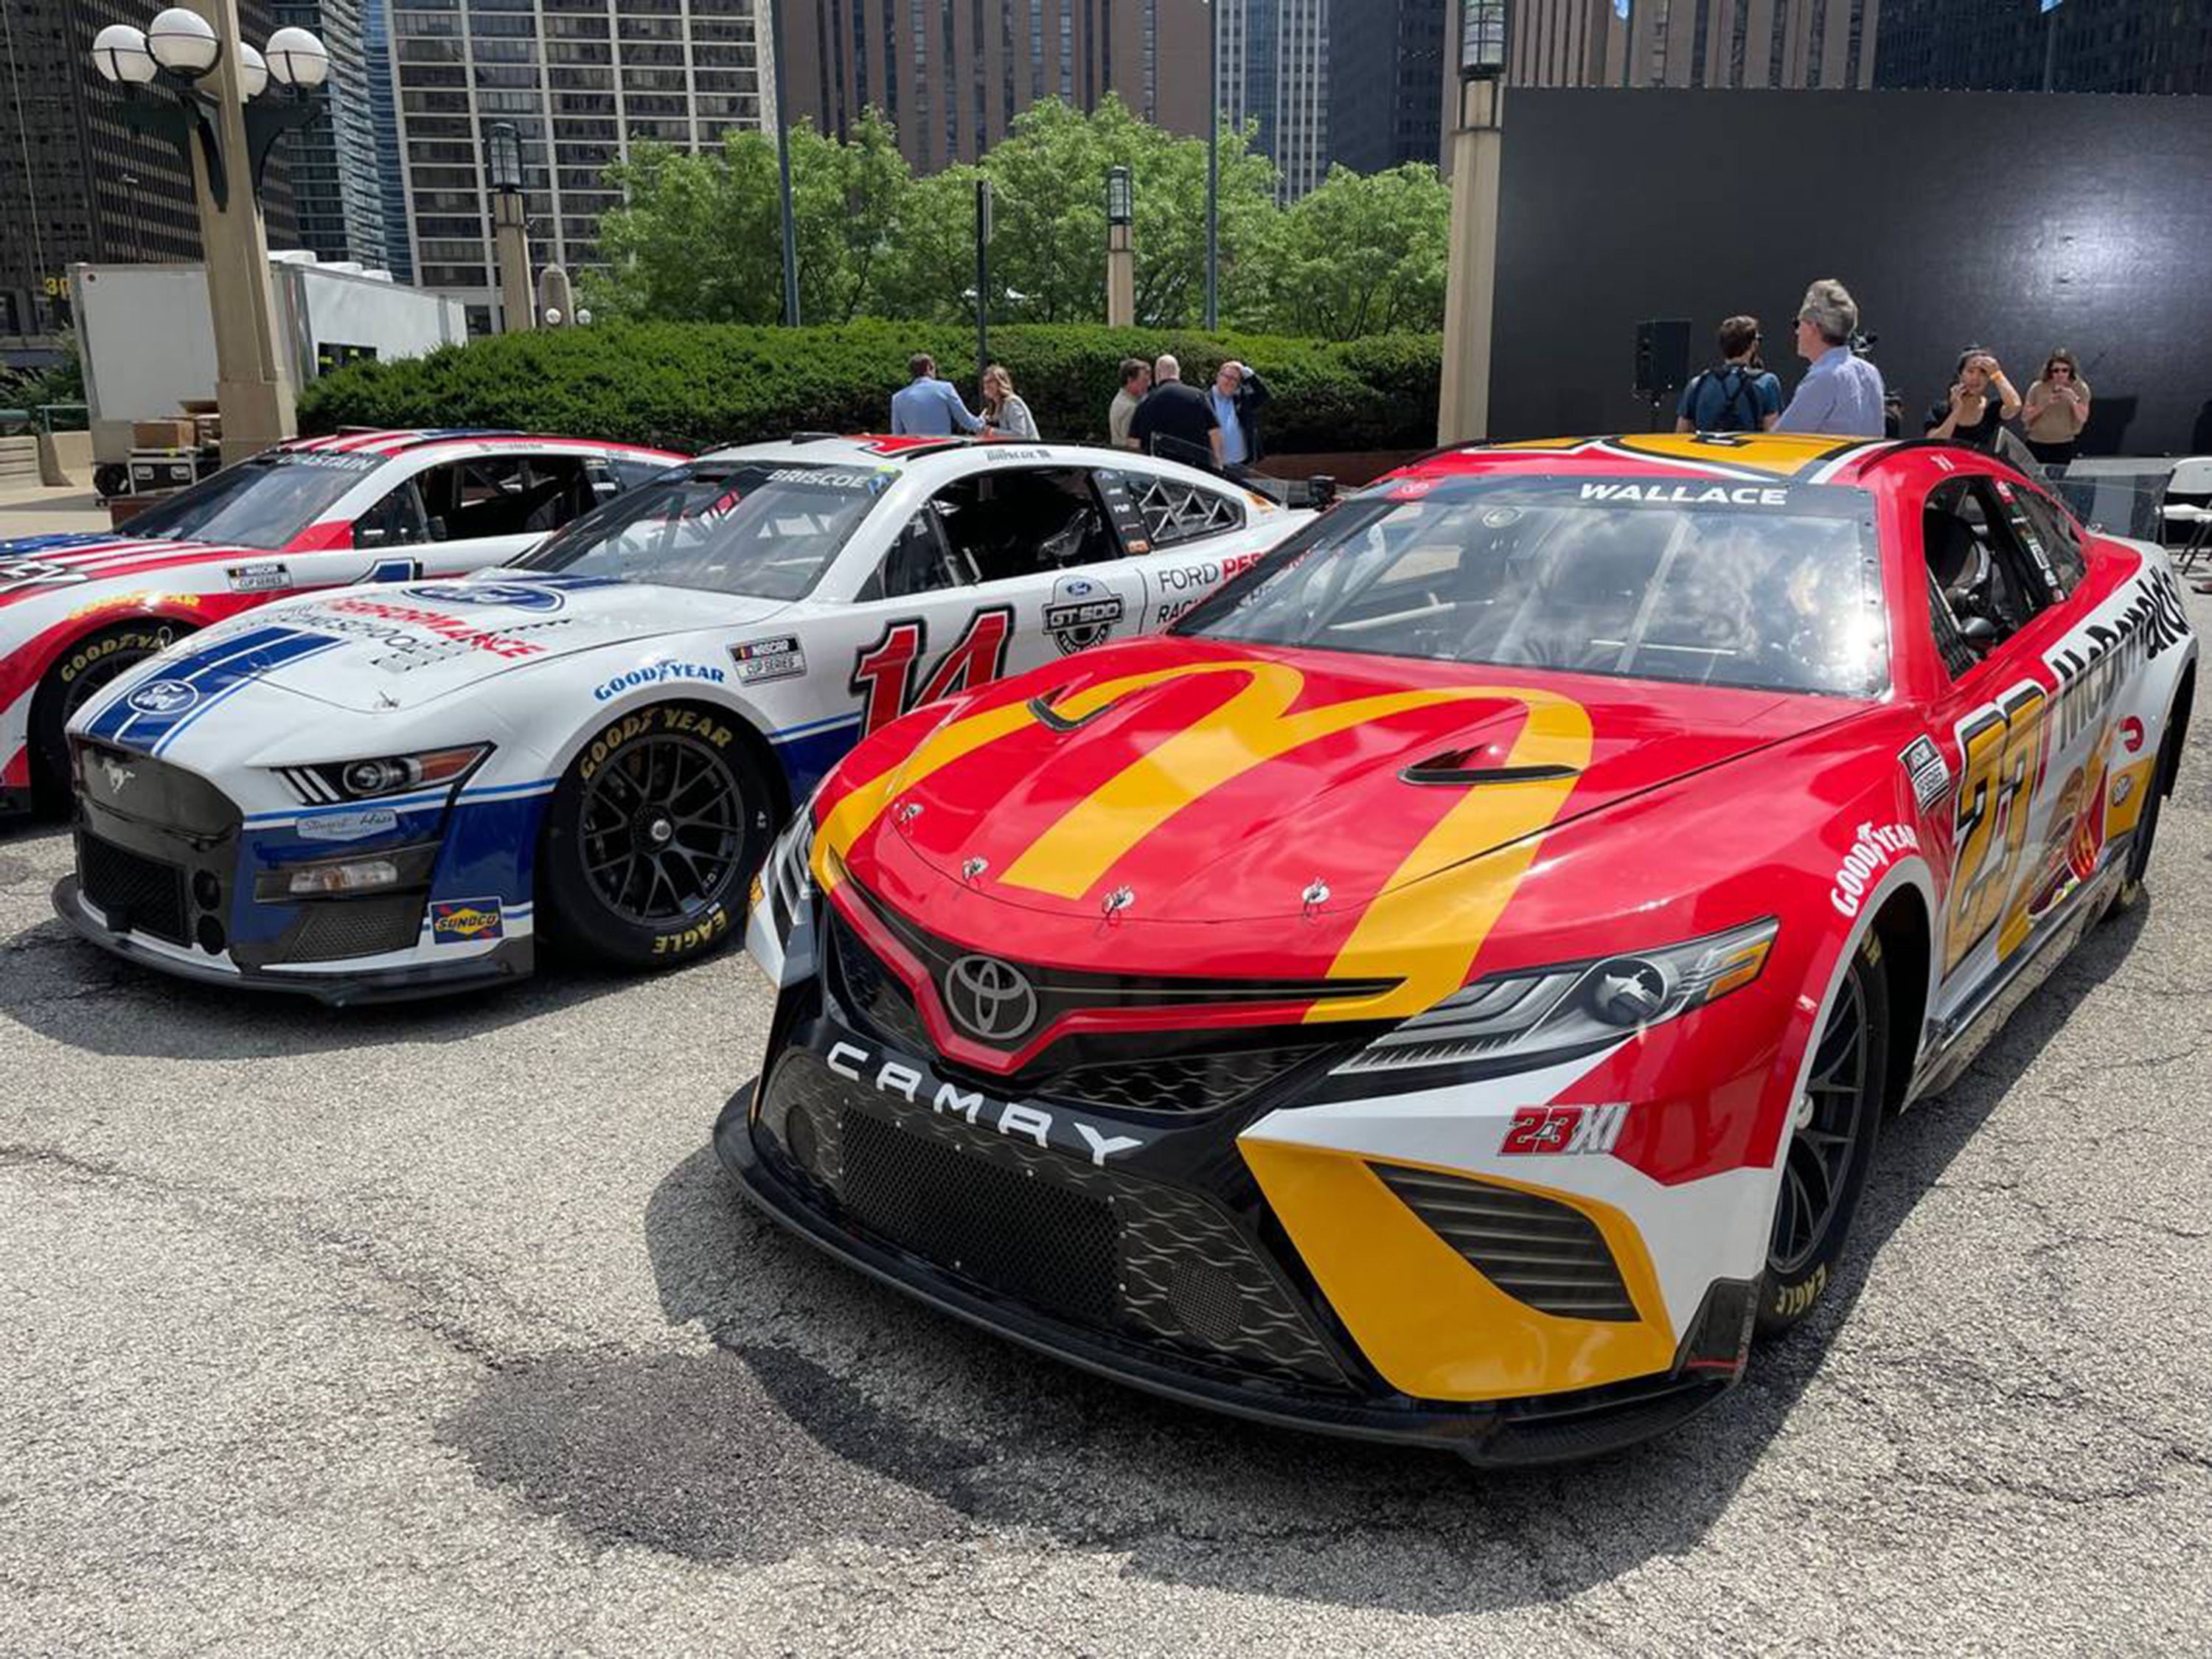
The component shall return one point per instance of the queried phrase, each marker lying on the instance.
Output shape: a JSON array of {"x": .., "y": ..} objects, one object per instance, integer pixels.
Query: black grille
[
  {"x": 334, "y": 930},
  {"x": 1024, "y": 1238},
  {"x": 1189, "y": 1083},
  {"x": 1536, "y": 1250},
  {"x": 1178, "y": 1270},
  {"x": 869, "y": 990},
  {"x": 136, "y": 893}
]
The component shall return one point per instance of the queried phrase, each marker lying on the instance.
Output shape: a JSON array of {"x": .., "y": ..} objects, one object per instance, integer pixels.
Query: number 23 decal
[
  {"x": 2002, "y": 754},
  {"x": 883, "y": 674}
]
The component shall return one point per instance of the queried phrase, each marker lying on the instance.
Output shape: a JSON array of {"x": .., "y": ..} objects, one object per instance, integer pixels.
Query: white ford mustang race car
[
  {"x": 383, "y": 792},
  {"x": 76, "y": 611}
]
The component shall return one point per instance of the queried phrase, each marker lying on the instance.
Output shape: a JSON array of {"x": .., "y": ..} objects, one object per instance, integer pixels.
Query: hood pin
[
  {"x": 1313, "y": 898},
  {"x": 973, "y": 868},
  {"x": 1117, "y": 901},
  {"x": 910, "y": 811}
]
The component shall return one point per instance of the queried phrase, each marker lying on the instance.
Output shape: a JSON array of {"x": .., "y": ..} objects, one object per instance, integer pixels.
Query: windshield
[
  {"x": 764, "y": 529},
  {"x": 1723, "y": 584},
  {"x": 264, "y": 502}
]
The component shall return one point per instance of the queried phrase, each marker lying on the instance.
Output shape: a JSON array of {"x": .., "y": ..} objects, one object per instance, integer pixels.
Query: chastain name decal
[{"x": 1873, "y": 852}]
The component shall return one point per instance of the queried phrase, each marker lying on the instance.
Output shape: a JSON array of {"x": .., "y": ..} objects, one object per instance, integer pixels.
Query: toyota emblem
[{"x": 990, "y": 999}]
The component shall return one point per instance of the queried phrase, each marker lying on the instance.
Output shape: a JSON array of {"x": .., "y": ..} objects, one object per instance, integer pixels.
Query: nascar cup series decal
[{"x": 466, "y": 921}]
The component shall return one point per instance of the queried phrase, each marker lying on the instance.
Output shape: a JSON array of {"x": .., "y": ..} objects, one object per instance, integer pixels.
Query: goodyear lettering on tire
[
  {"x": 630, "y": 727},
  {"x": 697, "y": 937},
  {"x": 92, "y": 653}
]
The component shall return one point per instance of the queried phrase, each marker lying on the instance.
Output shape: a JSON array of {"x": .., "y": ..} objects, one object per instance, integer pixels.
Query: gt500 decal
[
  {"x": 1054, "y": 1131},
  {"x": 1536, "y": 1130}
]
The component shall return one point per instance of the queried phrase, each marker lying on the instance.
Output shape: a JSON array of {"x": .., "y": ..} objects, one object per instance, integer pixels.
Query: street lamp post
[
  {"x": 783, "y": 171},
  {"x": 1471, "y": 278},
  {"x": 189, "y": 78},
  {"x": 510, "y": 227},
  {"x": 1121, "y": 256},
  {"x": 1213, "y": 165}
]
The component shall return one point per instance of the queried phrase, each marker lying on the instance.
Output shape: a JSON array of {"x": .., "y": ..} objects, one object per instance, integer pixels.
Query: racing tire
[
  {"x": 651, "y": 837},
  {"x": 2161, "y": 785},
  {"x": 76, "y": 674},
  {"x": 1831, "y": 1136}
]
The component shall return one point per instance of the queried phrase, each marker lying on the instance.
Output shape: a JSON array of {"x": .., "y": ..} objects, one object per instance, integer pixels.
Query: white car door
[{"x": 461, "y": 514}]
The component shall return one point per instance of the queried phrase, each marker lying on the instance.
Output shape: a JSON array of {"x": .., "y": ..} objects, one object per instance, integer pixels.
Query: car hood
[
  {"x": 399, "y": 647},
  {"x": 1190, "y": 781},
  {"x": 33, "y": 566}
]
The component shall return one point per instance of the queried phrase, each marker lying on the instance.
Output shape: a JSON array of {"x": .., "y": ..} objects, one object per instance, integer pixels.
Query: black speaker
[{"x": 1662, "y": 355}]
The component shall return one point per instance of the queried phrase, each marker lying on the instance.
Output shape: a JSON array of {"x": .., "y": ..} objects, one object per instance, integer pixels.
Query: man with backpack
[{"x": 1736, "y": 394}]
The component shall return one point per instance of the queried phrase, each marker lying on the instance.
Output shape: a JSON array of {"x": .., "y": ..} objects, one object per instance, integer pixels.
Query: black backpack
[{"x": 1739, "y": 399}]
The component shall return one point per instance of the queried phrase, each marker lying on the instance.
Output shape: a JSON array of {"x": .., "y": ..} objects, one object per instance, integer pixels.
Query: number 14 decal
[{"x": 883, "y": 674}]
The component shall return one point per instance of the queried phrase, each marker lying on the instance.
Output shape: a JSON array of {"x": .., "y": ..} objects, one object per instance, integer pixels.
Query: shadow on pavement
[{"x": 834, "y": 1411}]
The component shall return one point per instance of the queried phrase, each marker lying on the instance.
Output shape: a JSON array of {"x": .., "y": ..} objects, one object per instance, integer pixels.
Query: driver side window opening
[
  {"x": 1980, "y": 580},
  {"x": 397, "y": 520},
  {"x": 1021, "y": 522},
  {"x": 504, "y": 495}
]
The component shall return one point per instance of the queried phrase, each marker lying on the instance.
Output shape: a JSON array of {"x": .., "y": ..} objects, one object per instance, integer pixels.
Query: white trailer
[{"x": 148, "y": 338}]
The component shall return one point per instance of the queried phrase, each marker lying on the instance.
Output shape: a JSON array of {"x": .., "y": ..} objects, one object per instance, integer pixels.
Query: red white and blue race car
[
  {"x": 378, "y": 792},
  {"x": 76, "y": 611},
  {"x": 1448, "y": 988}
]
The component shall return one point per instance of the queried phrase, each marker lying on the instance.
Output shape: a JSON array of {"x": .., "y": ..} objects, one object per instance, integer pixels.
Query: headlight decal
[
  {"x": 1539, "y": 1016},
  {"x": 331, "y": 783}
]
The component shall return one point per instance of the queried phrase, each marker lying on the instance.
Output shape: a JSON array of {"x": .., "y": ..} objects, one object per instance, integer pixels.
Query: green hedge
[{"x": 690, "y": 386}]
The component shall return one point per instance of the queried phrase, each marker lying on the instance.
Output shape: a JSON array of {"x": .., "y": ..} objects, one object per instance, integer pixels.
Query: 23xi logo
[{"x": 1539, "y": 1130}]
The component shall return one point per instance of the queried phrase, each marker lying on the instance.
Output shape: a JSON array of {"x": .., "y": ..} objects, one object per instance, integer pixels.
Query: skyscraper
[
  {"x": 949, "y": 75},
  {"x": 338, "y": 184},
  {"x": 1695, "y": 43},
  {"x": 1384, "y": 60},
  {"x": 581, "y": 80},
  {"x": 1274, "y": 71},
  {"x": 384, "y": 115},
  {"x": 2011, "y": 46},
  {"x": 79, "y": 185}
]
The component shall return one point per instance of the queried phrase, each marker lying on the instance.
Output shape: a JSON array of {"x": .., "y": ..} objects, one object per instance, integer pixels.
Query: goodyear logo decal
[{"x": 465, "y": 922}]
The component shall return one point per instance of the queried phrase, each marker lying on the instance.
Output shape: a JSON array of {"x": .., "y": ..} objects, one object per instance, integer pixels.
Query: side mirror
[{"x": 1979, "y": 632}]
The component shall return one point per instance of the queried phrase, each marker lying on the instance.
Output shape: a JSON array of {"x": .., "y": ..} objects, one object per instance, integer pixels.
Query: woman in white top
[{"x": 1008, "y": 415}]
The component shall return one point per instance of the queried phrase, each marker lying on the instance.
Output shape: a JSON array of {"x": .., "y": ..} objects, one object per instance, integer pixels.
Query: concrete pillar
[
  {"x": 252, "y": 389},
  {"x": 1121, "y": 278},
  {"x": 1471, "y": 279},
  {"x": 511, "y": 247}
]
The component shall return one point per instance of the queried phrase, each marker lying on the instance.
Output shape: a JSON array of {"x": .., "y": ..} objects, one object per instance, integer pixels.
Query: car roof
[
  {"x": 953, "y": 456},
  {"x": 1793, "y": 457},
  {"x": 389, "y": 442}
]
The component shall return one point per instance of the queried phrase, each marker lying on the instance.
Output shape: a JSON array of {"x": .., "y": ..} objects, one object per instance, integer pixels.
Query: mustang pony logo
[{"x": 1424, "y": 942}]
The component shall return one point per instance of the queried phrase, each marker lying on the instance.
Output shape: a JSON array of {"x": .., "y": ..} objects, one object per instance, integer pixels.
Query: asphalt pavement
[{"x": 438, "y": 1329}]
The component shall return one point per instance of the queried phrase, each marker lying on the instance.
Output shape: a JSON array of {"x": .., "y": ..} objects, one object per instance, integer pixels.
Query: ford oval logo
[
  {"x": 163, "y": 697},
  {"x": 990, "y": 999},
  {"x": 515, "y": 595}
]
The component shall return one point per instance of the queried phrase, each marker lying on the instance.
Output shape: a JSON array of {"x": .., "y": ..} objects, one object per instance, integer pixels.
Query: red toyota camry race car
[{"x": 1450, "y": 987}]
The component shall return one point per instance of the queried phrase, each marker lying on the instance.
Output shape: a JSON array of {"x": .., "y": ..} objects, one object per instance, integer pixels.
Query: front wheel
[
  {"x": 93, "y": 663},
  {"x": 2161, "y": 785},
  {"x": 651, "y": 837},
  {"x": 1832, "y": 1132}
]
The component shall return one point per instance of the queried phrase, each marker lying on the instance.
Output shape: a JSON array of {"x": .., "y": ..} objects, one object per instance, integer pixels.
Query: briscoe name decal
[
  {"x": 1872, "y": 852},
  {"x": 1049, "y": 1130},
  {"x": 657, "y": 673},
  {"x": 1538, "y": 1130}
]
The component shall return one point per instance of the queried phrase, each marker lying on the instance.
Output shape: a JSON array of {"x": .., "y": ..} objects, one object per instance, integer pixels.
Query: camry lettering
[{"x": 1057, "y": 1132}]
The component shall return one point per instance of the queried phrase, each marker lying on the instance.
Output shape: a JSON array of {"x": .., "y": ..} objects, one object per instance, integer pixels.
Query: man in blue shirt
[
  {"x": 1842, "y": 392},
  {"x": 1236, "y": 398},
  {"x": 929, "y": 407}
]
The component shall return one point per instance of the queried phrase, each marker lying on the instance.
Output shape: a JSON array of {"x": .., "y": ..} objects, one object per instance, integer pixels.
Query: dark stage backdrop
[{"x": 2019, "y": 222}]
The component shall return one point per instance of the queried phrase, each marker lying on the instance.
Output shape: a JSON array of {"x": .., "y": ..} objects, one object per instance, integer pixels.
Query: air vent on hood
[{"x": 1457, "y": 767}]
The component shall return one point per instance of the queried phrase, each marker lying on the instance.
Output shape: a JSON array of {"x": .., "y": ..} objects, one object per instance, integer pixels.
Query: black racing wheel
[
  {"x": 83, "y": 669},
  {"x": 1832, "y": 1136},
  {"x": 651, "y": 838}
]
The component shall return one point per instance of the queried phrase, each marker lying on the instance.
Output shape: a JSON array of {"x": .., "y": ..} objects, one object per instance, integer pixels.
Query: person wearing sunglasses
[{"x": 2057, "y": 410}]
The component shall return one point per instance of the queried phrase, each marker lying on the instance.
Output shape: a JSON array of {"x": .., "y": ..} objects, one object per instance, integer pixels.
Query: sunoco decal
[{"x": 465, "y": 922}]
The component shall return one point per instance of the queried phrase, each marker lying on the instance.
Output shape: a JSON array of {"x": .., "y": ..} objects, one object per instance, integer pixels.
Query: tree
[{"x": 1363, "y": 254}]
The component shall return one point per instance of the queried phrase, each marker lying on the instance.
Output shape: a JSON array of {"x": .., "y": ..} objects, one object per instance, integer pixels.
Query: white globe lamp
[
  {"x": 120, "y": 54},
  {"x": 297, "y": 58},
  {"x": 183, "y": 42},
  {"x": 253, "y": 73}
]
